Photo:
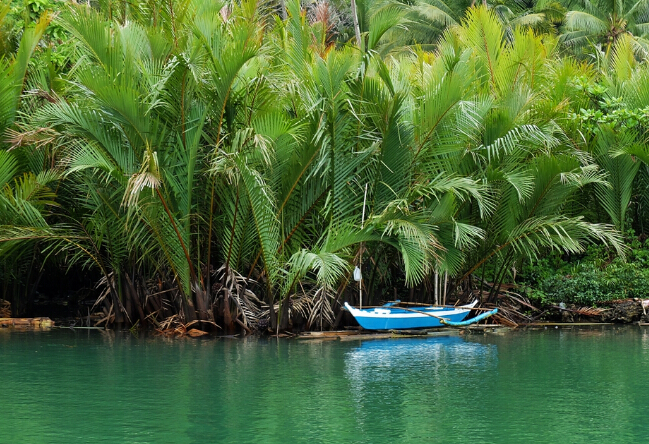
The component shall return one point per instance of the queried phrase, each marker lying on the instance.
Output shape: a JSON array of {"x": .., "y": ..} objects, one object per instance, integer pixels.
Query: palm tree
[
  {"x": 13, "y": 70},
  {"x": 205, "y": 157},
  {"x": 530, "y": 174},
  {"x": 612, "y": 131},
  {"x": 604, "y": 22},
  {"x": 542, "y": 15},
  {"x": 25, "y": 194}
]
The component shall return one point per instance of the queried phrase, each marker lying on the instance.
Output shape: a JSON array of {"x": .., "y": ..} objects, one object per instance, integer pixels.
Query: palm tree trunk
[
  {"x": 208, "y": 278},
  {"x": 445, "y": 288},
  {"x": 357, "y": 29},
  {"x": 202, "y": 307},
  {"x": 436, "y": 286},
  {"x": 282, "y": 9}
]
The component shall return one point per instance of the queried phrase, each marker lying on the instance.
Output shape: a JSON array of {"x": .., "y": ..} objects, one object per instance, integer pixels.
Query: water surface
[{"x": 578, "y": 385}]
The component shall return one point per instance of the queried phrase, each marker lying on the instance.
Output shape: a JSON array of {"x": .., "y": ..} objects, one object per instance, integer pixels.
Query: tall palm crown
[{"x": 605, "y": 21}]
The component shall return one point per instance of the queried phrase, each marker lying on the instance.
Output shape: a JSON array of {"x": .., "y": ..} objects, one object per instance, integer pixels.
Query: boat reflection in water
[
  {"x": 386, "y": 358},
  {"x": 418, "y": 380}
]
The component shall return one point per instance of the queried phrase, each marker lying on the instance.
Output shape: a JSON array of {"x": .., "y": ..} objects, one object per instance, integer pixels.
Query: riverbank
[
  {"x": 624, "y": 311},
  {"x": 514, "y": 312}
]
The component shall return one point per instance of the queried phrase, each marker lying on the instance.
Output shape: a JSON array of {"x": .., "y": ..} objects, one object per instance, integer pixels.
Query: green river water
[{"x": 577, "y": 385}]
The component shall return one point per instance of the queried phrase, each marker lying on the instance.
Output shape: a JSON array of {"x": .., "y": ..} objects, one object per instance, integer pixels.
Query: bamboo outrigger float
[{"x": 391, "y": 316}]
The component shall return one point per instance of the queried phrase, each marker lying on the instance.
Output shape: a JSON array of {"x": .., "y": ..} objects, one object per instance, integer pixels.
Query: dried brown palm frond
[
  {"x": 42, "y": 94},
  {"x": 504, "y": 319},
  {"x": 512, "y": 309},
  {"x": 323, "y": 11},
  {"x": 103, "y": 282},
  {"x": 5, "y": 309},
  {"x": 250, "y": 308},
  {"x": 321, "y": 313},
  {"x": 312, "y": 305},
  {"x": 170, "y": 322},
  {"x": 108, "y": 283},
  {"x": 157, "y": 298},
  {"x": 584, "y": 311},
  {"x": 173, "y": 326},
  {"x": 518, "y": 299},
  {"x": 36, "y": 137},
  {"x": 303, "y": 303},
  {"x": 296, "y": 305},
  {"x": 590, "y": 311},
  {"x": 233, "y": 289}
]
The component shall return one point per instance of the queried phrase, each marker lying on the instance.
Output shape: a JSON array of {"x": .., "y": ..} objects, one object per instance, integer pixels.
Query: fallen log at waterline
[{"x": 26, "y": 323}]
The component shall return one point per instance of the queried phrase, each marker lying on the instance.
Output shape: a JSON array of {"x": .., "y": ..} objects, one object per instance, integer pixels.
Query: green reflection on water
[{"x": 581, "y": 385}]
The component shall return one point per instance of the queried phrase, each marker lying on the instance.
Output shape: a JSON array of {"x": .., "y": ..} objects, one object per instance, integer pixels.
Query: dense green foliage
[
  {"x": 596, "y": 277},
  {"x": 217, "y": 155}
]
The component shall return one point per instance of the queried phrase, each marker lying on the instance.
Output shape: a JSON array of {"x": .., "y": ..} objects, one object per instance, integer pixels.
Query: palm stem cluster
[{"x": 209, "y": 160}]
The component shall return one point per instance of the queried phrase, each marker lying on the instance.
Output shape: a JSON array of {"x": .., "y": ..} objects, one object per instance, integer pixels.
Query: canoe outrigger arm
[{"x": 469, "y": 321}]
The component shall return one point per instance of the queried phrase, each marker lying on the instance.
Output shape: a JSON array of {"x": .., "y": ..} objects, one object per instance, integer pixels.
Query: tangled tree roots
[
  {"x": 230, "y": 304},
  {"x": 161, "y": 303}
]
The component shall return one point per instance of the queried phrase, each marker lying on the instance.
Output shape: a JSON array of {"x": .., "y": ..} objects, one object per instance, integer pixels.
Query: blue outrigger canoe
[{"x": 392, "y": 317}]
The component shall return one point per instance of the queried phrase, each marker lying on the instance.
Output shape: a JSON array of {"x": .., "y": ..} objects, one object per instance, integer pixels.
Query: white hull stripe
[{"x": 366, "y": 314}]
